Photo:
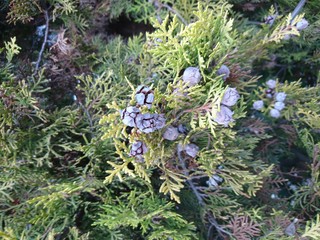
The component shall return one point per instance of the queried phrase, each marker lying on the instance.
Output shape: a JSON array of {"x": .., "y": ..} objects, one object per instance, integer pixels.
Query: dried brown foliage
[
  {"x": 290, "y": 131},
  {"x": 61, "y": 68},
  {"x": 282, "y": 221},
  {"x": 271, "y": 185},
  {"x": 257, "y": 126},
  {"x": 266, "y": 144},
  {"x": 242, "y": 228},
  {"x": 23, "y": 11}
]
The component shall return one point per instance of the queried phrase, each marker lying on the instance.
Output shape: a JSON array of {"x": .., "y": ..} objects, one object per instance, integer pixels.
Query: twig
[
  {"x": 219, "y": 229},
  {"x": 175, "y": 12},
  {"x": 212, "y": 220},
  {"x": 297, "y": 9},
  {"x": 86, "y": 111},
  {"x": 193, "y": 187},
  {"x": 36, "y": 69},
  {"x": 159, "y": 5}
]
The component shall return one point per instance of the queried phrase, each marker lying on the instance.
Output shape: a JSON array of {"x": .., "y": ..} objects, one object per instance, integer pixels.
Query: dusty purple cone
[
  {"x": 129, "y": 116},
  {"x": 149, "y": 122},
  {"x": 271, "y": 83},
  {"x": 191, "y": 149},
  {"x": 225, "y": 71},
  {"x": 303, "y": 24},
  {"x": 144, "y": 96},
  {"x": 137, "y": 150},
  {"x": 279, "y": 106},
  {"x": 281, "y": 96},
  {"x": 258, "y": 105},
  {"x": 275, "y": 113},
  {"x": 171, "y": 133},
  {"x": 230, "y": 97},
  {"x": 270, "y": 19},
  {"x": 191, "y": 76},
  {"x": 224, "y": 117}
]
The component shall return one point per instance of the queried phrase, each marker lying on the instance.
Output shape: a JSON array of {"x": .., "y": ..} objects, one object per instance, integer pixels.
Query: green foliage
[
  {"x": 11, "y": 49},
  {"x": 313, "y": 229},
  {"x": 147, "y": 212},
  {"x": 67, "y": 167}
]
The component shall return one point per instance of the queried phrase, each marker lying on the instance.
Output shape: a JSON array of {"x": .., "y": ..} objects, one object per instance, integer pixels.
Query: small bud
[
  {"x": 281, "y": 96},
  {"x": 182, "y": 129},
  {"x": 160, "y": 121},
  {"x": 308, "y": 182},
  {"x": 191, "y": 149},
  {"x": 149, "y": 122},
  {"x": 279, "y": 106},
  {"x": 293, "y": 187},
  {"x": 303, "y": 24},
  {"x": 269, "y": 90},
  {"x": 225, "y": 71},
  {"x": 40, "y": 31},
  {"x": 291, "y": 229},
  {"x": 269, "y": 95},
  {"x": 258, "y": 105},
  {"x": 230, "y": 97},
  {"x": 274, "y": 113},
  {"x": 271, "y": 83},
  {"x": 224, "y": 117},
  {"x": 191, "y": 76},
  {"x": 171, "y": 133},
  {"x": 270, "y": 19},
  {"x": 287, "y": 36},
  {"x": 144, "y": 96},
  {"x": 129, "y": 116},
  {"x": 137, "y": 150},
  {"x": 214, "y": 181}
]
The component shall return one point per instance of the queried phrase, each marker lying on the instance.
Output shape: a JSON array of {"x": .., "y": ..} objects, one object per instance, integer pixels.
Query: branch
[
  {"x": 159, "y": 5},
  {"x": 176, "y": 13},
  {"x": 297, "y": 9},
  {"x": 213, "y": 222},
  {"x": 86, "y": 111},
  {"x": 193, "y": 187},
  {"x": 46, "y": 16},
  {"x": 219, "y": 229}
]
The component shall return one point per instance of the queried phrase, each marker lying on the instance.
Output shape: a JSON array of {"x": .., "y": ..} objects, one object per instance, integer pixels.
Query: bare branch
[
  {"x": 186, "y": 173},
  {"x": 213, "y": 222},
  {"x": 159, "y": 5},
  {"x": 36, "y": 69},
  {"x": 176, "y": 13},
  {"x": 297, "y": 9}
]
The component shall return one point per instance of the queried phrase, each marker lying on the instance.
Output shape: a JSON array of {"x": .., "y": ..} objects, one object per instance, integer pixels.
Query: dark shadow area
[{"x": 127, "y": 28}]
